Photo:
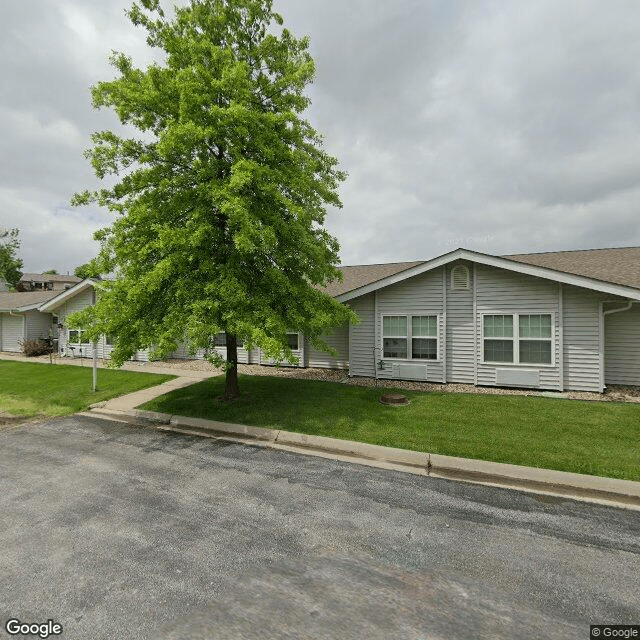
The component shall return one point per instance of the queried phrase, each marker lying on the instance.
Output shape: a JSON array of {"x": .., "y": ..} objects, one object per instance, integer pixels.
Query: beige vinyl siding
[
  {"x": 499, "y": 291},
  {"x": 622, "y": 346},
  {"x": 38, "y": 325},
  {"x": 581, "y": 314},
  {"x": 460, "y": 346},
  {"x": 362, "y": 337},
  {"x": 338, "y": 339},
  {"x": 11, "y": 332},
  {"x": 420, "y": 296}
]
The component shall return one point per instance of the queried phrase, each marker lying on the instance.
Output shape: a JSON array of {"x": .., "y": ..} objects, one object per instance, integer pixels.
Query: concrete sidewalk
[
  {"x": 145, "y": 367},
  {"x": 610, "y": 491}
]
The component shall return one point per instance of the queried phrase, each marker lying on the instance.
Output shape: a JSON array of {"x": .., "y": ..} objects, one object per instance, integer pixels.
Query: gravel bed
[{"x": 613, "y": 393}]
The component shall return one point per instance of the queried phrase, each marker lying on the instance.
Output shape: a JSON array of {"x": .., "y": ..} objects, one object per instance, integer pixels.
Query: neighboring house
[
  {"x": 566, "y": 320},
  {"x": 46, "y": 282},
  {"x": 20, "y": 318}
]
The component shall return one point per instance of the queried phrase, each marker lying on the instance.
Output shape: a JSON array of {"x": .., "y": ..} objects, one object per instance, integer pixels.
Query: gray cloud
[{"x": 496, "y": 126}]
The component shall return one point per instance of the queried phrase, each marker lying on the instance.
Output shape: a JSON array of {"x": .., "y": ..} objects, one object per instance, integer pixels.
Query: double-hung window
[
  {"x": 292, "y": 341},
  {"x": 518, "y": 338},
  {"x": 424, "y": 337},
  {"x": 410, "y": 337},
  {"x": 75, "y": 336}
]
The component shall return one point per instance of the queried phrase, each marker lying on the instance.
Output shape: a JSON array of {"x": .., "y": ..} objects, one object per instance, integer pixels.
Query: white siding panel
[
  {"x": 581, "y": 311},
  {"x": 11, "y": 332},
  {"x": 338, "y": 339},
  {"x": 362, "y": 337},
  {"x": 421, "y": 295},
  {"x": 501, "y": 291},
  {"x": 460, "y": 340},
  {"x": 622, "y": 347},
  {"x": 38, "y": 325}
]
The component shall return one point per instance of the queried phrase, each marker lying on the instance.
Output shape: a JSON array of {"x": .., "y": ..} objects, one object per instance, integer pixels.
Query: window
[
  {"x": 109, "y": 340},
  {"x": 394, "y": 336},
  {"x": 498, "y": 338},
  {"x": 535, "y": 339},
  {"x": 74, "y": 336},
  {"x": 421, "y": 332},
  {"x": 424, "y": 337},
  {"x": 220, "y": 339},
  {"x": 518, "y": 338},
  {"x": 292, "y": 340}
]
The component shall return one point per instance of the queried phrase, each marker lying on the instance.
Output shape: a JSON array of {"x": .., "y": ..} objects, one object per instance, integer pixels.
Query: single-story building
[
  {"x": 566, "y": 320},
  {"x": 21, "y": 319}
]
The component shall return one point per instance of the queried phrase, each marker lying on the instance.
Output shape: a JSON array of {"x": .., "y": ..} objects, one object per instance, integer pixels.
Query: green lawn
[
  {"x": 598, "y": 438},
  {"x": 33, "y": 388}
]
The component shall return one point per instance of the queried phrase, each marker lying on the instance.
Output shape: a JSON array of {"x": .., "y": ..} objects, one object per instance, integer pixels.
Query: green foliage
[
  {"x": 86, "y": 270},
  {"x": 51, "y": 272},
  {"x": 10, "y": 265},
  {"x": 221, "y": 201}
]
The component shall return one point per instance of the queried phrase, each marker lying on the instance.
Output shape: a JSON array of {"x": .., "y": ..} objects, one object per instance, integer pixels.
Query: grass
[
  {"x": 597, "y": 438},
  {"x": 32, "y": 388}
]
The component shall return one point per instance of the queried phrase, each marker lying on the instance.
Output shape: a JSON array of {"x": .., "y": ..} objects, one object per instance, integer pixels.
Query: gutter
[{"x": 610, "y": 311}]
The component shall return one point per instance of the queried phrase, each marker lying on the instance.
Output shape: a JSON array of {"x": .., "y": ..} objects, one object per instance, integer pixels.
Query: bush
[{"x": 37, "y": 347}]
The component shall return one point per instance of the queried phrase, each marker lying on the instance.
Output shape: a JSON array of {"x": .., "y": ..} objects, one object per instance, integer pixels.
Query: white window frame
[
  {"x": 516, "y": 339},
  {"x": 74, "y": 344},
  {"x": 409, "y": 336}
]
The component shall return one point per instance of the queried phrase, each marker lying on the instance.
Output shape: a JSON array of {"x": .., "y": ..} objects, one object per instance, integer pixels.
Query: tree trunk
[{"x": 231, "y": 391}]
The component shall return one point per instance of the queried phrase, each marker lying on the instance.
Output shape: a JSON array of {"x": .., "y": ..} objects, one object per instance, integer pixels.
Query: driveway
[{"x": 115, "y": 531}]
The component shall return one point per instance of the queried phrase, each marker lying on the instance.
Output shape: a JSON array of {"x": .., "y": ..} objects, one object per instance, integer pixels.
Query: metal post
[{"x": 95, "y": 365}]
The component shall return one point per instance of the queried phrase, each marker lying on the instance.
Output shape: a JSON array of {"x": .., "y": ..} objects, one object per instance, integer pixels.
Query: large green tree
[
  {"x": 10, "y": 264},
  {"x": 221, "y": 193}
]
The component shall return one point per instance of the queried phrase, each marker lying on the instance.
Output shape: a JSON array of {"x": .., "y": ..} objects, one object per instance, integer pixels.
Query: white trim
[
  {"x": 516, "y": 340},
  {"x": 560, "y": 337},
  {"x": 377, "y": 336},
  {"x": 63, "y": 296},
  {"x": 601, "y": 344},
  {"x": 444, "y": 324},
  {"x": 474, "y": 285},
  {"x": 409, "y": 337},
  {"x": 500, "y": 263}
]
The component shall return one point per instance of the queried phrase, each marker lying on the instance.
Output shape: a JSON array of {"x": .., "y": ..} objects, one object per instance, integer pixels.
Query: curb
[{"x": 609, "y": 491}]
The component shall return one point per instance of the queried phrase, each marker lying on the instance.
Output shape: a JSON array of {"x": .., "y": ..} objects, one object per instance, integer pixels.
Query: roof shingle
[{"x": 11, "y": 301}]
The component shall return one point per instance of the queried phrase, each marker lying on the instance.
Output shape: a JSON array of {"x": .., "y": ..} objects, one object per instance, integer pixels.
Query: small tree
[
  {"x": 85, "y": 271},
  {"x": 10, "y": 265},
  {"x": 223, "y": 198}
]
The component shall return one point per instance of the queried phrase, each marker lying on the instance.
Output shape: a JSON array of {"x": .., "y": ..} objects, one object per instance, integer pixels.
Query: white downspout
[{"x": 608, "y": 313}]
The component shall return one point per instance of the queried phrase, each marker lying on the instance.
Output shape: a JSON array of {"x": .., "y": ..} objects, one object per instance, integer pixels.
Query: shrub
[{"x": 37, "y": 347}]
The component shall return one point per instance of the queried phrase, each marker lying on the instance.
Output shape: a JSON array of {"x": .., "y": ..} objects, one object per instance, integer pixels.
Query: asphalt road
[{"x": 115, "y": 531}]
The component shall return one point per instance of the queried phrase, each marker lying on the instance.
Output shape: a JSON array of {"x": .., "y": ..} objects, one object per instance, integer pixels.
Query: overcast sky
[{"x": 497, "y": 126}]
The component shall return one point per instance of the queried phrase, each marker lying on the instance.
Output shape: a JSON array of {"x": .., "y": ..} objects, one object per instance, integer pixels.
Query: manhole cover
[{"x": 394, "y": 398}]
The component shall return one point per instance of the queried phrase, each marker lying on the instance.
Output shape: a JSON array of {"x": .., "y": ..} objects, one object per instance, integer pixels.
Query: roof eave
[
  {"x": 65, "y": 295},
  {"x": 500, "y": 263}
]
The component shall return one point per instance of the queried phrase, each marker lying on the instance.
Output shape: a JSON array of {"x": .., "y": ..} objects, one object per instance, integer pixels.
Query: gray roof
[
  {"x": 360, "y": 275},
  {"x": 618, "y": 266},
  {"x": 49, "y": 277},
  {"x": 12, "y": 301}
]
